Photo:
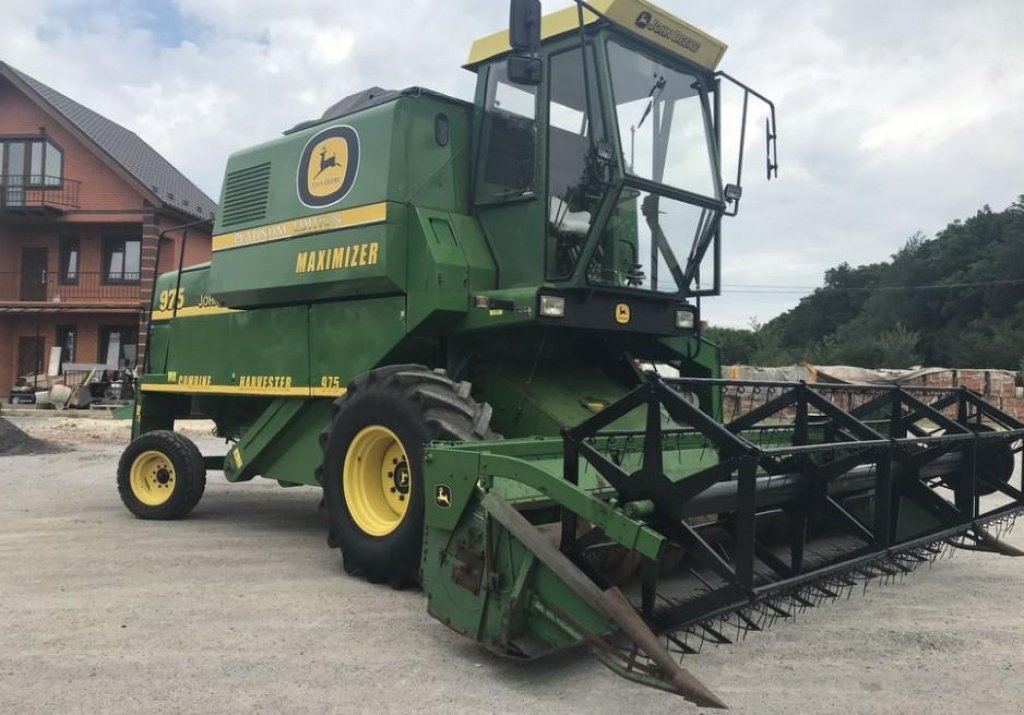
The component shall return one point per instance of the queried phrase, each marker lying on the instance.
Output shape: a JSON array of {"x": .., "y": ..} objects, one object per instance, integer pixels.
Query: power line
[{"x": 788, "y": 290}]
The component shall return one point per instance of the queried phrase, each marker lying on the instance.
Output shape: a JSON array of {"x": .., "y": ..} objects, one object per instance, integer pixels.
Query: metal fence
[
  {"x": 50, "y": 287},
  {"x": 19, "y": 191}
]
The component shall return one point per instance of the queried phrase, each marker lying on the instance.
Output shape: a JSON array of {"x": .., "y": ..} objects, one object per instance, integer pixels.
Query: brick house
[{"x": 88, "y": 217}]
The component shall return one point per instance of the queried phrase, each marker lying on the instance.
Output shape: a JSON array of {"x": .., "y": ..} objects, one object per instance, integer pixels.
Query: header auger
[{"x": 454, "y": 319}]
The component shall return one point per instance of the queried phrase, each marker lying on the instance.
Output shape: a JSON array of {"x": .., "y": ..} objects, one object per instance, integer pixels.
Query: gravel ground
[{"x": 242, "y": 607}]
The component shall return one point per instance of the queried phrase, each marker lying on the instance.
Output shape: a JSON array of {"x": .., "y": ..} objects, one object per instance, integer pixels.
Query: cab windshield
[
  {"x": 665, "y": 136},
  {"x": 664, "y": 130},
  {"x": 666, "y": 204}
]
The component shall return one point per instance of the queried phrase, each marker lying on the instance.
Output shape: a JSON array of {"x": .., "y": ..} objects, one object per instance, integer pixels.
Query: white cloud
[{"x": 252, "y": 69}]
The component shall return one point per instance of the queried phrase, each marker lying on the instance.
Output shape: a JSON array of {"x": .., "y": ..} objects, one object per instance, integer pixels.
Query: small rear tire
[{"x": 161, "y": 476}]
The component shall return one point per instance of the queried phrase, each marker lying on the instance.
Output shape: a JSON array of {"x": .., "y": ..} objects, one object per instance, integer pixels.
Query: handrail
[
  {"x": 36, "y": 190},
  {"x": 68, "y": 287}
]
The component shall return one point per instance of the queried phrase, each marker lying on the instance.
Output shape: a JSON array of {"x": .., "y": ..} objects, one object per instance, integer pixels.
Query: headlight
[
  {"x": 552, "y": 306},
  {"x": 684, "y": 319}
]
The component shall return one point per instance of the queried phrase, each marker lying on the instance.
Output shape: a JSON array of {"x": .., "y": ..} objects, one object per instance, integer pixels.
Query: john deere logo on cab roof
[
  {"x": 646, "y": 21},
  {"x": 328, "y": 166}
]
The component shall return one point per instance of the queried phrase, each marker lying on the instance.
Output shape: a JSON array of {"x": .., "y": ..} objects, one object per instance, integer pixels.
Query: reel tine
[
  {"x": 767, "y": 605},
  {"x": 800, "y": 603},
  {"x": 778, "y": 611},
  {"x": 717, "y": 636},
  {"x": 822, "y": 587},
  {"x": 917, "y": 555},
  {"x": 682, "y": 645},
  {"x": 750, "y": 624}
]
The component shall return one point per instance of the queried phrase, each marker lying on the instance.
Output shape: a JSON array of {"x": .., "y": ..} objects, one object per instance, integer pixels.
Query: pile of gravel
[{"x": 14, "y": 441}]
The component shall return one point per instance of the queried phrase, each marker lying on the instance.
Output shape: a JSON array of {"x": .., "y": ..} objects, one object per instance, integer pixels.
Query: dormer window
[{"x": 32, "y": 162}]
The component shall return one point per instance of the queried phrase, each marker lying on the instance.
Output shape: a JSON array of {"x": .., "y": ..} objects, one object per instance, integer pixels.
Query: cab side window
[
  {"x": 507, "y": 168},
  {"x": 574, "y": 187}
]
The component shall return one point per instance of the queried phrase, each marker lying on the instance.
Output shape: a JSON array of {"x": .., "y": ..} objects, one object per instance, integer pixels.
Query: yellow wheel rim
[
  {"x": 152, "y": 478},
  {"x": 376, "y": 480}
]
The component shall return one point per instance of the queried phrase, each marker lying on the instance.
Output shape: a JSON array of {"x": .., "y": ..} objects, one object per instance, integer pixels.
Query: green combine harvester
[{"x": 477, "y": 328}]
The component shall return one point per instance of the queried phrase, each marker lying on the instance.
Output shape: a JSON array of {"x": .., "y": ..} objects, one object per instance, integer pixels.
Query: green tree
[
  {"x": 768, "y": 348},
  {"x": 956, "y": 299},
  {"x": 898, "y": 347},
  {"x": 735, "y": 345}
]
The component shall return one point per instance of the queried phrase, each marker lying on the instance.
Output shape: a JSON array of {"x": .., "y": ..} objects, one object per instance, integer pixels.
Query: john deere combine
[{"x": 457, "y": 320}]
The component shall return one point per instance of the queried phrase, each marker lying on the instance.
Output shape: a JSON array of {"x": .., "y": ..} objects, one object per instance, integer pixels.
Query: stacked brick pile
[{"x": 999, "y": 387}]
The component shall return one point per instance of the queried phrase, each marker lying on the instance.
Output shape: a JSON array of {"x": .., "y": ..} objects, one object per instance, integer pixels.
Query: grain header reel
[
  {"x": 456, "y": 319},
  {"x": 708, "y": 530}
]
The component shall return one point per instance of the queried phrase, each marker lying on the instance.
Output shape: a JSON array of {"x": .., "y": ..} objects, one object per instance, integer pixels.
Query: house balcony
[
  {"x": 50, "y": 291},
  {"x": 37, "y": 194}
]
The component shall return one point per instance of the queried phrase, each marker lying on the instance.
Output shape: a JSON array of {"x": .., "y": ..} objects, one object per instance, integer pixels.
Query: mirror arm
[
  {"x": 771, "y": 137},
  {"x": 586, "y": 77},
  {"x": 523, "y": 65},
  {"x": 587, "y": 6}
]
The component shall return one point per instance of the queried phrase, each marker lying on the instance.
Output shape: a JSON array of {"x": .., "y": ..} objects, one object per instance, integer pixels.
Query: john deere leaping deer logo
[
  {"x": 443, "y": 496},
  {"x": 622, "y": 313},
  {"x": 328, "y": 166},
  {"x": 326, "y": 162}
]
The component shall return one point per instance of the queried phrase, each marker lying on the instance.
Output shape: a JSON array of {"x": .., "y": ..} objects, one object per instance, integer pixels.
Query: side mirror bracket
[
  {"x": 524, "y": 26},
  {"x": 524, "y": 67}
]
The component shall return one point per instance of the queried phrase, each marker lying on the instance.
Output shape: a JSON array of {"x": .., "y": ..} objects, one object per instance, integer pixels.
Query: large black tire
[
  {"x": 416, "y": 405},
  {"x": 161, "y": 476}
]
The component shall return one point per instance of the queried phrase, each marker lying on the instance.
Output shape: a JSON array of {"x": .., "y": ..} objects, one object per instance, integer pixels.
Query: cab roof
[{"x": 638, "y": 17}]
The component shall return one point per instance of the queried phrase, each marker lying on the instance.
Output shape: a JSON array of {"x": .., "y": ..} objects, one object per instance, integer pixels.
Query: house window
[
  {"x": 30, "y": 162},
  {"x": 69, "y": 247},
  {"x": 66, "y": 338},
  {"x": 125, "y": 338},
  {"x": 122, "y": 259}
]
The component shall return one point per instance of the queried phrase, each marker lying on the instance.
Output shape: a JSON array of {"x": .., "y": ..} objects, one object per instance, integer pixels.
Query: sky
[{"x": 894, "y": 117}]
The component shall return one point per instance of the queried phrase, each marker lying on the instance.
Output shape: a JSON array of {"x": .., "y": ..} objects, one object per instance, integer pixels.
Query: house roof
[{"x": 141, "y": 161}]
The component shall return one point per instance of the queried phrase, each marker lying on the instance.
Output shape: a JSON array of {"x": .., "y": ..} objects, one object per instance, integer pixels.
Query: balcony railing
[
  {"x": 37, "y": 191},
  {"x": 48, "y": 287}
]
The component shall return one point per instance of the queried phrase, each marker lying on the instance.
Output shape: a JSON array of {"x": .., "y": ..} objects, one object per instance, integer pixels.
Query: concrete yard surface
[{"x": 242, "y": 608}]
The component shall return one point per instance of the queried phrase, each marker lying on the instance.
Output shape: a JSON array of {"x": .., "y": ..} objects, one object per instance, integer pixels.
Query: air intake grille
[{"x": 246, "y": 192}]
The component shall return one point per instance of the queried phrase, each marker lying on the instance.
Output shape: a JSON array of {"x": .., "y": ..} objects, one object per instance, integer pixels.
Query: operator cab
[{"x": 611, "y": 154}]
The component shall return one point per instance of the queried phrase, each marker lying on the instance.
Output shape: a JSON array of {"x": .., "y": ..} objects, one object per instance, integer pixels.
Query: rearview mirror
[
  {"x": 524, "y": 25},
  {"x": 522, "y": 69}
]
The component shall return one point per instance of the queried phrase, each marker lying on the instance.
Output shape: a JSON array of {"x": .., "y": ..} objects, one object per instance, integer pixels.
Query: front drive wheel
[
  {"x": 161, "y": 476},
  {"x": 372, "y": 468}
]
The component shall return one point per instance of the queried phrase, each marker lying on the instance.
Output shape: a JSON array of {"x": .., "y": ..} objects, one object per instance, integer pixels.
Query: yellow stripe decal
[
  {"x": 327, "y": 391},
  {"x": 236, "y": 390},
  {"x": 317, "y": 223},
  {"x": 191, "y": 312}
]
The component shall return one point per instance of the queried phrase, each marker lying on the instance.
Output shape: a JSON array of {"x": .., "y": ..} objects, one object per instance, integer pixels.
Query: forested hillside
[{"x": 955, "y": 300}]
